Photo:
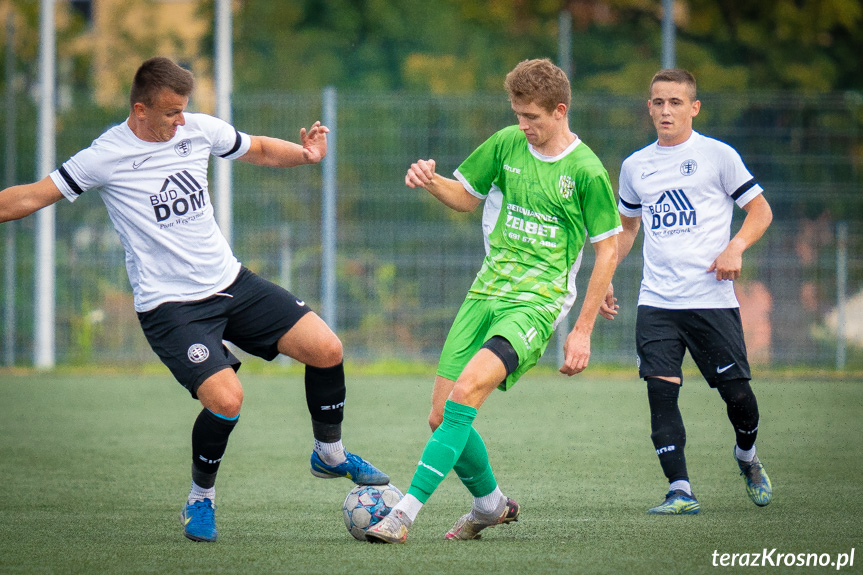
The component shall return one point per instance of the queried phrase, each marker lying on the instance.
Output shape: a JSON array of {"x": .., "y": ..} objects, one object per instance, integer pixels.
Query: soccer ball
[{"x": 366, "y": 505}]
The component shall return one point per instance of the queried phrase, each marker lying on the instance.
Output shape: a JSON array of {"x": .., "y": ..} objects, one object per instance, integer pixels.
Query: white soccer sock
[
  {"x": 330, "y": 453},
  {"x": 198, "y": 493},
  {"x": 410, "y": 506},
  {"x": 491, "y": 503},
  {"x": 745, "y": 456},
  {"x": 682, "y": 485}
]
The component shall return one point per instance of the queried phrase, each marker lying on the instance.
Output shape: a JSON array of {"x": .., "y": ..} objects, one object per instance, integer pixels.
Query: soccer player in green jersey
[{"x": 546, "y": 192}]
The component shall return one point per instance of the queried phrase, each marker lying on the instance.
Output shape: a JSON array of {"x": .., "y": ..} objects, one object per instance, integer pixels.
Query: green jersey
[{"x": 539, "y": 211}]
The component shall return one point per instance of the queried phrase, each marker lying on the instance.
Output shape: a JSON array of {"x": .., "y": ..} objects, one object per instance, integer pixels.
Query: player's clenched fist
[{"x": 420, "y": 174}]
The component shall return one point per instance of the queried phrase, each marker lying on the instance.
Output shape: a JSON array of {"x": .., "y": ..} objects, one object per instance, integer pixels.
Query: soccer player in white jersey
[
  {"x": 683, "y": 188},
  {"x": 190, "y": 291},
  {"x": 545, "y": 193}
]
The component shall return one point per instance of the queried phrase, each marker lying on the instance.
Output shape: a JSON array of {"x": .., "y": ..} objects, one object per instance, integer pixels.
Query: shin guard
[{"x": 666, "y": 425}]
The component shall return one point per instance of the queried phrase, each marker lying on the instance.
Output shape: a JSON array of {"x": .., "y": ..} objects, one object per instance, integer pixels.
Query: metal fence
[{"x": 404, "y": 261}]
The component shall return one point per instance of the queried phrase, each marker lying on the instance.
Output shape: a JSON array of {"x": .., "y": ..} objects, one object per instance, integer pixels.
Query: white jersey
[
  {"x": 685, "y": 195},
  {"x": 158, "y": 200}
]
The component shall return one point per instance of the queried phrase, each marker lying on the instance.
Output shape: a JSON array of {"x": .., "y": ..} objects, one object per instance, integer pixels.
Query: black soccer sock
[
  {"x": 325, "y": 396},
  {"x": 742, "y": 410},
  {"x": 666, "y": 425},
  {"x": 209, "y": 441}
]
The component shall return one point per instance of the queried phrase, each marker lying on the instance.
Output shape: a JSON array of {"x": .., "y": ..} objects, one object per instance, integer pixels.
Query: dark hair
[
  {"x": 156, "y": 74},
  {"x": 538, "y": 81},
  {"x": 678, "y": 76}
]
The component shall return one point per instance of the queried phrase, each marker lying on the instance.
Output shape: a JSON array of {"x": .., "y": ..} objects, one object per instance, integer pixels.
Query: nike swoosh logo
[
  {"x": 724, "y": 369},
  {"x": 643, "y": 175},
  {"x": 136, "y": 165},
  {"x": 301, "y": 302}
]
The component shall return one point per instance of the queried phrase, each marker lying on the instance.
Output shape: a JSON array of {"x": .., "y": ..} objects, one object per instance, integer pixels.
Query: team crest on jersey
[
  {"x": 198, "y": 353},
  {"x": 184, "y": 148},
  {"x": 566, "y": 185},
  {"x": 688, "y": 167}
]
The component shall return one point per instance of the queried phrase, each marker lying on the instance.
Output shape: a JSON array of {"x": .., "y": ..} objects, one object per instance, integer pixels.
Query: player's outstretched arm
[
  {"x": 450, "y": 192},
  {"x": 576, "y": 348},
  {"x": 609, "y": 306},
  {"x": 758, "y": 217},
  {"x": 18, "y": 202},
  {"x": 278, "y": 153}
]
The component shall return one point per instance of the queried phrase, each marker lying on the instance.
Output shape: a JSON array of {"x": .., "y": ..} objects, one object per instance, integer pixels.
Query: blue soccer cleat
[
  {"x": 199, "y": 521},
  {"x": 677, "y": 502},
  {"x": 758, "y": 485},
  {"x": 354, "y": 468}
]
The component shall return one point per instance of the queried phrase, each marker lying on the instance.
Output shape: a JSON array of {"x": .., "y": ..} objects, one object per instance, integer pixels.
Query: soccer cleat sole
[
  {"x": 377, "y": 538},
  {"x": 323, "y": 474},
  {"x": 689, "y": 509}
]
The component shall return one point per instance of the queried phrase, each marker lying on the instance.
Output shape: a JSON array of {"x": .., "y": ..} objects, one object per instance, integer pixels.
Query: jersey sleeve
[
  {"x": 629, "y": 204},
  {"x": 598, "y": 206},
  {"x": 479, "y": 171},
  {"x": 736, "y": 179},
  {"x": 88, "y": 169},
  {"x": 226, "y": 141}
]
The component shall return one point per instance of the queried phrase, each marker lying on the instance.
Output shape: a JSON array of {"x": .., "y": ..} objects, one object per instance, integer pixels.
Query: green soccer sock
[
  {"x": 474, "y": 468},
  {"x": 443, "y": 449}
]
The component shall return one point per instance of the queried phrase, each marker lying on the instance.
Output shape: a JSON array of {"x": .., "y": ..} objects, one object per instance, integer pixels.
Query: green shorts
[{"x": 477, "y": 321}]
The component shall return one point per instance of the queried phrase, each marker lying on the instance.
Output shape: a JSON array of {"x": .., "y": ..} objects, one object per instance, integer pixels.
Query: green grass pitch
[{"x": 94, "y": 468}]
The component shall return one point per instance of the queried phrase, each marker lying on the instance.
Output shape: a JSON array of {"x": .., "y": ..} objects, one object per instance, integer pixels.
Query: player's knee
[
  {"x": 741, "y": 403},
  {"x": 330, "y": 352},
  {"x": 737, "y": 391},
  {"x": 228, "y": 404}
]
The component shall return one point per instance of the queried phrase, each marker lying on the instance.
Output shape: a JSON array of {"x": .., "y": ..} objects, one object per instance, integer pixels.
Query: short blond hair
[{"x": 538, "y": 81}]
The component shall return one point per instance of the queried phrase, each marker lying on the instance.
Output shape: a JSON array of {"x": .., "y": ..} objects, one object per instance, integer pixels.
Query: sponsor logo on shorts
[
  {"x": 528, "y": 337},
  {"x": 198, "y": 353},
  {"x": 725, "y": 368}
]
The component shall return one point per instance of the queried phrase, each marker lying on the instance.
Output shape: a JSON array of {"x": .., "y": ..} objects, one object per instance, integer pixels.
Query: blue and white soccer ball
[{"x": 366, "y": 505}]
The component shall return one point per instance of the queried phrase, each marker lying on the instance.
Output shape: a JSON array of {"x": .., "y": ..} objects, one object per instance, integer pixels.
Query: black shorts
[
  {"x": 251, "y": 313},
  {"x": 714, "y": 338}
]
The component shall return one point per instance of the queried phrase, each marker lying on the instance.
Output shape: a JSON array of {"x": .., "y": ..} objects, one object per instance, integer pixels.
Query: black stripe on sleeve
[
  {"x": 72, "y": 183},
  {"x": 629, "y": 206},
  {"x": 743, "y": 189},
  {"x": 236, "y": 147}
]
